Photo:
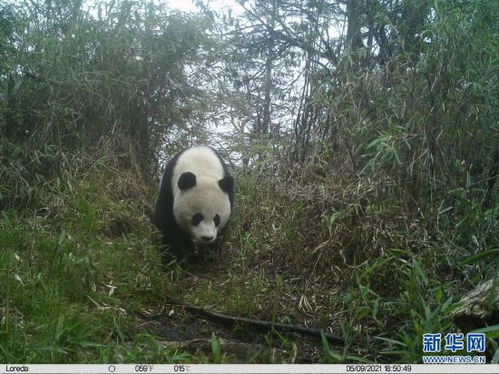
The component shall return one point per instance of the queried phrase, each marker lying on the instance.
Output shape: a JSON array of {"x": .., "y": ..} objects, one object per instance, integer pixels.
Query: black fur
[
  {"x": 227, "y": 185},
  {"x": 187, "y": 180},
  {"x": 178, "y": 241}
]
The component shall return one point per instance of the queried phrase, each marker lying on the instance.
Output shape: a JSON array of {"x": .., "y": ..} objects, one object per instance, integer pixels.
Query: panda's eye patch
[
  {"x": 197, "y": 218},
  {"x": 216, "y": 219}
]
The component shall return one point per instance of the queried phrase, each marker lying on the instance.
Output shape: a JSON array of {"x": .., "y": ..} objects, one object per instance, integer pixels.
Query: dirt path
[
  {"x": 220, "y": 285},
  {"x": 181, "y": 328},
  {"x": 178, "y": 327}
]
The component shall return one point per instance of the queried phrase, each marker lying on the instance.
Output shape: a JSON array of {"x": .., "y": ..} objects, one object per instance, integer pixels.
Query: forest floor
[
  {"x": 176, "y": 325},
  {"x": 82, "y": 282}
]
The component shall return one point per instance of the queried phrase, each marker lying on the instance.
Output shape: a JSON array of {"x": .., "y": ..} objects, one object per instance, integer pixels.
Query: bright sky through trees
[{"x": 189, "y": 6}]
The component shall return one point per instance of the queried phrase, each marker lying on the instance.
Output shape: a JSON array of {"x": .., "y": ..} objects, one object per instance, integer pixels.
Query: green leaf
[
  {"x": 490, "y": 331},
  {"x": 480, "y": 256}
]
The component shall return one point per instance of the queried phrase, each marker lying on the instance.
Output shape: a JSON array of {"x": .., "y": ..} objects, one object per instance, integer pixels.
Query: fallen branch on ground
[{"x": 268, "y": 325}]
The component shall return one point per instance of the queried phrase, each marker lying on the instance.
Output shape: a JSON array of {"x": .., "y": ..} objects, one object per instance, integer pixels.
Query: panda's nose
[{"x": 207, "y": 238}]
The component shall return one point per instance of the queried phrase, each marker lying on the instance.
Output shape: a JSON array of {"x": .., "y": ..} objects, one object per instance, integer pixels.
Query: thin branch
[{"x": 262, "y": 324}]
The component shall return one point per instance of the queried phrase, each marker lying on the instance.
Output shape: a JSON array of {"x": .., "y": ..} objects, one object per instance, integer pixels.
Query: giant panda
[{"x": 195, "y": 201}]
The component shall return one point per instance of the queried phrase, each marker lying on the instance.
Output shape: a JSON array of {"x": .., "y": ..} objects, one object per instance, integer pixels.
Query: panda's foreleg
[{"x": 176, "y": 247}]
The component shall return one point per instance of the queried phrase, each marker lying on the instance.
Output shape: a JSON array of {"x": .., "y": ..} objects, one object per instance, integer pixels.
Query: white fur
[
  {"x": 201, "y": 161},
  {"x": 206, "y": 197}
]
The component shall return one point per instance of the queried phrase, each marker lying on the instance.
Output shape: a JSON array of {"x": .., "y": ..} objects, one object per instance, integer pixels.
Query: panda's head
[{"x": 202, "y": 206}]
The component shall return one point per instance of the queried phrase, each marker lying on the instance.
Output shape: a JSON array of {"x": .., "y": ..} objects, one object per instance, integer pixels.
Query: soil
[
  {"x": 185, "y": 329},
  {"x": 181, "y": 328}
]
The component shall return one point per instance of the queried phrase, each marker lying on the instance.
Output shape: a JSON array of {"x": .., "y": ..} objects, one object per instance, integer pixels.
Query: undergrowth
[
  {"x": 76, "y": 263},
  {"x": 340, "y": 254}
]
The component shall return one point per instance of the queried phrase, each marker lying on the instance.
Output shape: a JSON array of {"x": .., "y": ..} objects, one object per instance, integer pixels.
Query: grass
[
  {"x": 371, "y": 273},
  {"x": 75, "y": 275}
]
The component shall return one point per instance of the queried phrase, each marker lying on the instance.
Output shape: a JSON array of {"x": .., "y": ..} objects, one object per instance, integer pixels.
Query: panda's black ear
[
  {"x": 227, "y": 184},
  {"x": 187, "y": 180}
]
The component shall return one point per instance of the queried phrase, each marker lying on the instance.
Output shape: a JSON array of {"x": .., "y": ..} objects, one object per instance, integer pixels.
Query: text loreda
[{"x": 16, "y": 369}]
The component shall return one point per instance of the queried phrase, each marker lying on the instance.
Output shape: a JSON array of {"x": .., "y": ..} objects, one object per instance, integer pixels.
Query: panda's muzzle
[{"x": 207, "y": 239}]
